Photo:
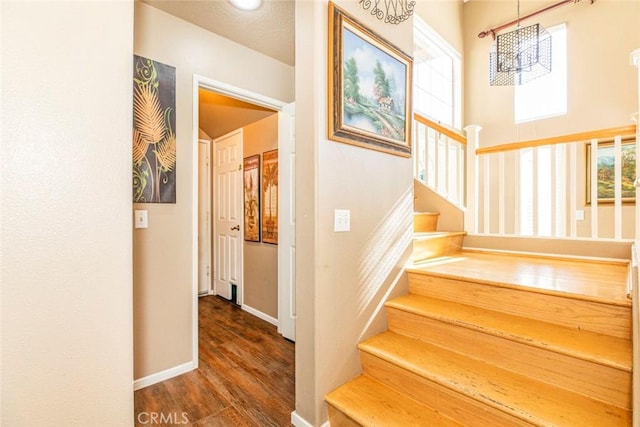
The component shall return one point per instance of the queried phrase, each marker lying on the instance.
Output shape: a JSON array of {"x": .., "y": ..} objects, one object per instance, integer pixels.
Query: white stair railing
[
  {"x": 534, "y": 188},
  {"x": 439, "y": 160}
]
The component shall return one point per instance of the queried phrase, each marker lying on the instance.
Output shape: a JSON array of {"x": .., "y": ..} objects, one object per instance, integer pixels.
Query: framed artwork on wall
[
  {"x": 606, "y": 171},
  {"x": 369, "y": 88},
  {"x": 252, "y": 198},
  {"x": 270, "y": 197},
  {"x": 154, "y": 137}
]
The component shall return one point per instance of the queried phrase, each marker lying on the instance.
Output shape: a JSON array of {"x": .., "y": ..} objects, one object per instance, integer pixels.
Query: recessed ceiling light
[{"x": 246, "y": 4}]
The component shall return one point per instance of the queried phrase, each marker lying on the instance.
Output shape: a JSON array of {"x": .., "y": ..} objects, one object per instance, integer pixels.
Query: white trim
[
  {"x": 238, "y": 93},
  {"x": 260, "y": 314},
  {"x": 194, "y": 224},
  {"x": 163, "y": 375},
  {"x": 298, "y": 421}
]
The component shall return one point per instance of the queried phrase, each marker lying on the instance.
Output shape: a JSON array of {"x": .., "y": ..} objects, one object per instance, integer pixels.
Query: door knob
[{"x": 237, "y": 227}]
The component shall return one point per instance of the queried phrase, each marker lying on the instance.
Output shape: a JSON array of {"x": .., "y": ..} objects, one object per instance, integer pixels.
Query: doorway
[{"x": 243, "y": 109}]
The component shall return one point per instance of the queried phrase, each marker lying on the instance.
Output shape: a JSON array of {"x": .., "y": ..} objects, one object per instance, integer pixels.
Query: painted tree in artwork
[
  {"x": 351, "y": 81},
  {"x": 381, "y": 84}
]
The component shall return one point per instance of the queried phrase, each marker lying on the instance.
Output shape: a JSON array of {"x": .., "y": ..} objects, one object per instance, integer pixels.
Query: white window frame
[
  {"x": 419, "y": 25},
  {"x": 527, "y": 93}
]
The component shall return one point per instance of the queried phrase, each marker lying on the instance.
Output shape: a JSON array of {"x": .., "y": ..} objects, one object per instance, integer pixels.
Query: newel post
[
  {"x": 471, "y": 214},
  {"x": 635, "y": 60}
]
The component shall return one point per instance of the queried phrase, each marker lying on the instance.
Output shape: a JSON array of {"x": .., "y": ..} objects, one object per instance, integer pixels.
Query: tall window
[
  {"x": 546, "y": 96},
  {"x": 437, "y": 76}
]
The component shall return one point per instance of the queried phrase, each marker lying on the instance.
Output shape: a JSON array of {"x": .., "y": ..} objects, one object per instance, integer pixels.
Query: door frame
[
  {"x": 208, "y": 144},
  {"x": 231, "y": 91}
]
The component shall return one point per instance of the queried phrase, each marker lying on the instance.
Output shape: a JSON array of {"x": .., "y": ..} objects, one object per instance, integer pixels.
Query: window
[
  {"x": 546, "y": 96},
  {"x": 437, "y": 76}
]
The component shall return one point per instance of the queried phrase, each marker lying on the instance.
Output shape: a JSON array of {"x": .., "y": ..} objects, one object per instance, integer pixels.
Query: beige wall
[
  {"x": 261, "y": 259},
  {"x": 602, "y": 84},
  {"x": 66, "y": 213},
  {"x": 163, "y": 253},
  {"x": 602, "y": 87},
  {"x": 445, "y": 17},
  {"x": 451, "y": 217},
  {"x": 342, "y": 278}
]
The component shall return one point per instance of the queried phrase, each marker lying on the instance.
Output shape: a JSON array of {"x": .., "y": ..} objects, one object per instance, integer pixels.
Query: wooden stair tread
[
  {"x": 371, "y": 403},
  {"x": 522, "y": 397},
  {"x": 603, "y": 349},
  {"x": 583, "y": 279}
]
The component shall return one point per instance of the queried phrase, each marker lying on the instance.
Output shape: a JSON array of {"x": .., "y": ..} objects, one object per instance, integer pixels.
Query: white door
[
  {"x": 227, "y": 252},
  {"x": 204, "y": 217},
  {"x": 286, "y": 224}
]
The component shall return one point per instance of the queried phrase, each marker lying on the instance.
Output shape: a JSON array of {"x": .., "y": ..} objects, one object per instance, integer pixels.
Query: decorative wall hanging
[
  {"x": 394, "y": 12},
  {"x": 154, "y": 138},
  {"x": 369, "y": 88},
  {"x": 606, "y": 172},
  {"x": 252, "y": 198},
  {"x": 270, "y": 199}
]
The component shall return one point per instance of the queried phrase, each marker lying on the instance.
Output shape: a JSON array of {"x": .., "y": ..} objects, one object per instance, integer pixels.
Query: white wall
[{"x": 66, "y": 213}]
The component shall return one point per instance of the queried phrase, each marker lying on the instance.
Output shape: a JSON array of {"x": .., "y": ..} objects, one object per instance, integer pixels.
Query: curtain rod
[{"x": 516, "y": 21}]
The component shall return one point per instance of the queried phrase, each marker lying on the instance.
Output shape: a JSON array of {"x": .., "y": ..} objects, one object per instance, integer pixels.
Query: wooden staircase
[{"x": 485, "y": 339}]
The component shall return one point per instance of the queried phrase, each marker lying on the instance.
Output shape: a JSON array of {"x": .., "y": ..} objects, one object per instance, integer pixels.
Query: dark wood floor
[{"x": 245, "y": 375}]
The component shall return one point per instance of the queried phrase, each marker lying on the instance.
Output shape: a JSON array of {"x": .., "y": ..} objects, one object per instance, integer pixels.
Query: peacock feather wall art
[{"x": 154, "y": 136}]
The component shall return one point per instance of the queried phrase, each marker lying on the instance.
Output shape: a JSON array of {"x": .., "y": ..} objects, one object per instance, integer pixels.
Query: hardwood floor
[{"x": 245, "y": 376}]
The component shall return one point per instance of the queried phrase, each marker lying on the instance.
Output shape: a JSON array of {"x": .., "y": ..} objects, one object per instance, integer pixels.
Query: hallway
[{"x": 245, "y": 375}]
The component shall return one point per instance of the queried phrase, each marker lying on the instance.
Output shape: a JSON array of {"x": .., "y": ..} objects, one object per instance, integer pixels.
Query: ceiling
[
  {"x": 269, "y": 30},
  {"x": 219, "y": 115}
]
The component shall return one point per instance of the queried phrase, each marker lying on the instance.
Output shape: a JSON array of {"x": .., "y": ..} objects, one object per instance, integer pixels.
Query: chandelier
[{"x": 521, "y": 55}]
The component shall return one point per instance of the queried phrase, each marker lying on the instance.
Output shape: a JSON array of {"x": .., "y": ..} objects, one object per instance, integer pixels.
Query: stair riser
[
  {"x": 607, "y": 319},
  {"x": 425, "y": 222},
  {"x": 588, "y": 378},
  {"x": 466, "y": 410},
  {"x": 431, "y": 248},
  {"x": 339, "y": 419}
]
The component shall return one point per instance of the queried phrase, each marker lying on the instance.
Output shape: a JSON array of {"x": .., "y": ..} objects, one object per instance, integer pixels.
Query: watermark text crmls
[{"x": 151, "y": 418}]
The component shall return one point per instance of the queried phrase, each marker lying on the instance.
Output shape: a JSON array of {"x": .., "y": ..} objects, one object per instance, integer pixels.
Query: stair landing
[{"x": 594, "y": 280}]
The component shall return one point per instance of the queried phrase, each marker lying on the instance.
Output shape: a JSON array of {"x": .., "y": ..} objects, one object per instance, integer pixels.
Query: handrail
[
  {"x": 574, "y": 137},
  {"x": 441, "y": 128}
]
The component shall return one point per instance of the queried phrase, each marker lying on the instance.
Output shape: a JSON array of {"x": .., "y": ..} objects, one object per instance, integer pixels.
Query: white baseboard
[
  {"x": 298, "y": 421},
  {"x": 260, "y": 314},
  {"x": 163, "y": 375}
]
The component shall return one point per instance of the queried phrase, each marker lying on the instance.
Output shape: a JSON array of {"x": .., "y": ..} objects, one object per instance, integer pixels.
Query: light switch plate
[
  {"x": 141, "y": 219},
  {"x": 342, "y": 220},
  {"x": 580, "y": 215}
]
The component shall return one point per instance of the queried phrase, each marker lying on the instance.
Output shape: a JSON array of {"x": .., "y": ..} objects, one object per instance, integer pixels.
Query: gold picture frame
[
  {"x": 252, "y": 198},
  {"x": 606, "y": 164},
  {"x": 270, "y": 197},
  {"x": 369, "y": 88}
]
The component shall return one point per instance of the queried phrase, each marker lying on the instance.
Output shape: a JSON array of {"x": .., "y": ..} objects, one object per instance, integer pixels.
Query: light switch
[
  {"x": 141, "y": 219},
  {"x": 580, "y": 215},
  {"x": 342, "y": 220}
]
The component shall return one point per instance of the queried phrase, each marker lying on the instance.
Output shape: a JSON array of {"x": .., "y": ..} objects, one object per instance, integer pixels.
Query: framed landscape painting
[
  {"x": 606, "y": 172},
  {"x": 369, "y": 89}
]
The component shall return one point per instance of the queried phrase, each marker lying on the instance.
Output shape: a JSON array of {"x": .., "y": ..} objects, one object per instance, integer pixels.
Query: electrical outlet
[{"x": 342, "y": 220}]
